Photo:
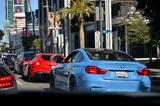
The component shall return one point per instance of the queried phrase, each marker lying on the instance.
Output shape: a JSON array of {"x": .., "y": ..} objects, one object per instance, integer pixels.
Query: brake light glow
[
  {"x": 145, "y": 71},
  {"x": 6, "y": 81},
  {"x": 95, "y": 70},
  {"x": 37, "y": 63}
]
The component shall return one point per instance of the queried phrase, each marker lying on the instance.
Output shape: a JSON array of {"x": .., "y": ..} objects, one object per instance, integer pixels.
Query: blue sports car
[{"x": 100, "y": 70}]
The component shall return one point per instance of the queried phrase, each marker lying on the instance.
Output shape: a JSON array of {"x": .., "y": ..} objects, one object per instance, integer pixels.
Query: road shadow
[{"x": 36, "y": 79}]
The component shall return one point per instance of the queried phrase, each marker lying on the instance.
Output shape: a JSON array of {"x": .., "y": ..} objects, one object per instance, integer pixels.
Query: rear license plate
[{"x": 121, "y": 74}]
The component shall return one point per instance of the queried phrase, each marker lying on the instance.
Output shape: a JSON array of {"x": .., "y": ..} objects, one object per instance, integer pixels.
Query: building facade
[
  {"x": 16, "y": 17},
  {"x": 9, "y": 10},
  {"x": 115, "y": 39},
  {"x": 52, "y": 36}
]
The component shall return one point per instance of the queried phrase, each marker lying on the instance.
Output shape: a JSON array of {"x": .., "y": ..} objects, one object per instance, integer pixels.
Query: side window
[
  {"x": 71, "y": 58},
  {"x": 33, "y": 57},
  {"x": 79, "y": 57}
]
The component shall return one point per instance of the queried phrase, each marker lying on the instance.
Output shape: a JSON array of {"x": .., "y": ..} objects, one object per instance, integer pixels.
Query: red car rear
[{"x": 40, "y": 65}]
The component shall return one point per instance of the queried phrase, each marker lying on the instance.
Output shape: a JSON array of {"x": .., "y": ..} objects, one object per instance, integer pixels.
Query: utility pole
[
  {"x": 108, "y": 24},
  {"x": 32, "y": 17},
  {"x": 100, "y": 23},
  {"x": 47, "y": 25},
  {"x": 55, "y": 37},
  {"x": 26, "y": 16}
]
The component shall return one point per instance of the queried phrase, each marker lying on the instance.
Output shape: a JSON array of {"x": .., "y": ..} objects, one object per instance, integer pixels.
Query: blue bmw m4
[{"x": 100, "y": 70}]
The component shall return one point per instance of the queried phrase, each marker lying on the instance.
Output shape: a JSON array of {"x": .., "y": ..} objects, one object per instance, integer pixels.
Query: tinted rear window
[
  {"x": 56, "y": 58},
  {"x": 109, "y": 55},
  {"x": 46, "y": 57}
]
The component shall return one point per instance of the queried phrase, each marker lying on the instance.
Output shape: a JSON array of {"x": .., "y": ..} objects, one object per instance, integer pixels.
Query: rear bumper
[
  {"x": 41, "y": 74},
  {"x": 103, "y": 86},
  {"x": 120, "y": 86},
  {"x": 9, "y": 90}
]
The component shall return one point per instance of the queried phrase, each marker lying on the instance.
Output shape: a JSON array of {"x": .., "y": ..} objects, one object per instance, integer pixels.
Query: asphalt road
[
  {"x": 42, "y": 85},
  {"x": 36, "y": 85}
]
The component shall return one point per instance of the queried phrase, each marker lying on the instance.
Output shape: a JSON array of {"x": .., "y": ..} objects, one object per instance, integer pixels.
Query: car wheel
[
  {"x": 20, "y": 69},
  {"x": 51, "y": 81},
  {"x": 23, "y": 75},
  {"x": 72, "y": 85},
  {"x": 29, "y": 77}
]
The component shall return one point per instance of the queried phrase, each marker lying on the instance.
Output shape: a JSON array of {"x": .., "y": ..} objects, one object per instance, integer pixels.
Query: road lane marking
[{"x": 18, "y": 82}]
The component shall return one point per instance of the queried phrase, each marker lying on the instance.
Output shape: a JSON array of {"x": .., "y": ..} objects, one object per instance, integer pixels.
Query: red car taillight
[
  {"x": 37, "y": 63},
  {"x": 145, "y": 71},
  {"x": 95, "y": 70},
  {"x": 6, "y": 81}
]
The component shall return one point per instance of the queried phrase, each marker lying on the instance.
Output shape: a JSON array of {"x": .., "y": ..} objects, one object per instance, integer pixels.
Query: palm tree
[
  {"x": 29, "y": 2},
  {"x": 80, "y": 9}
]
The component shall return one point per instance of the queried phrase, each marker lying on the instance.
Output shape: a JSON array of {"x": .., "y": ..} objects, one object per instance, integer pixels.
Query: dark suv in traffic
[{"x": 20, "y": 59}]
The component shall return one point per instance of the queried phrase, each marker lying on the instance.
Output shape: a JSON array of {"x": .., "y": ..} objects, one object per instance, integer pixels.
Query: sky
[{"x": 34, "y": 5}]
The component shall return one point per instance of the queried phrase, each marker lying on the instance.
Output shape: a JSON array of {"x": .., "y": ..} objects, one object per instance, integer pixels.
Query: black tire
[
  {"x": 29, "y": 77},
  {"x": 51, "y": 83},
  {"x": 72, "y": 85},
  {"x": 23, "y": 75}
]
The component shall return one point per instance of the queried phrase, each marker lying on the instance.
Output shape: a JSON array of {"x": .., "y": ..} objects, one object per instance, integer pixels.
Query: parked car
[
  {"x": 7, "y": 80},
  {"x": 40, "y": 65},
  {"x": 20, "y": 59},
  {"x": 100, "y": 70}
]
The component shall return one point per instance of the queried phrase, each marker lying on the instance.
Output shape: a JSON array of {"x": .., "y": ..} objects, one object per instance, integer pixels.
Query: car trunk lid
[{"x": 120, "y": 70}]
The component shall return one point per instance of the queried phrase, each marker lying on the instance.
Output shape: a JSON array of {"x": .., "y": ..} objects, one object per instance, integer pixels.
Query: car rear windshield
[
  {"x": 109, "y": 55},
  {"x": 56, "y": 58}
]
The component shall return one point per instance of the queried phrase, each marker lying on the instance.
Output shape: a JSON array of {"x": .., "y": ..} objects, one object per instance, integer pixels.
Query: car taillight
[
  {"x": 145, "y": 71},
  {"x": 37, "y": 63},
  {"x": 95, "y": 70},
  {"x": 6, "y": 81}
]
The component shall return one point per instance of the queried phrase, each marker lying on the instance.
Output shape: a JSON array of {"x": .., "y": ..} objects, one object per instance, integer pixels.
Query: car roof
[
  {"x": 49, "y": 54},
  {"x": 101, "y": 49}
]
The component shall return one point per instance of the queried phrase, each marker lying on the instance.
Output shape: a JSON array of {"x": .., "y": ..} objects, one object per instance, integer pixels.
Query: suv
[
  {"x": 20, "y": 59},
  {"x": 9, "y": 60}
]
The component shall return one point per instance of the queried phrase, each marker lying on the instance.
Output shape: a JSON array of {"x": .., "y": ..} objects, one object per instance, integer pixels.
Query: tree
[
  {"x": 137, "y": 29},
  {"x": 151, "y": 9},
  {"x": 80, "y": 9},
  {"x": 27, "y": 42},
  {"x": 36, "y": 43}
]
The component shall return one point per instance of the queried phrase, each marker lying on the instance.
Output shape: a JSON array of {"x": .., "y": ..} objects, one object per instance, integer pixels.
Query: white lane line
[{"x": 18, "y": 82}]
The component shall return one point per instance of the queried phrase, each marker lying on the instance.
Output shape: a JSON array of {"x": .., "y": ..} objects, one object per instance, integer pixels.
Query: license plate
[{"x": 121, "y": 74}]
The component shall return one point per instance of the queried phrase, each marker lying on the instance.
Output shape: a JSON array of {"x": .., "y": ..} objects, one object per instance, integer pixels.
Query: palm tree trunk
[
  {"x": 81, "y": 33},
  {"x": 29, "y": 2}
]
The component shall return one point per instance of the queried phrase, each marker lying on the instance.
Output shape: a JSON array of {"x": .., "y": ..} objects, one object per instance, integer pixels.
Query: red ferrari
[{"x": 40, "y": 65}]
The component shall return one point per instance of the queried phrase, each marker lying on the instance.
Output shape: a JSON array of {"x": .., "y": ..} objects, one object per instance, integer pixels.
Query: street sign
[
  {"x": 97, "y": 14},
  {"x": 107, "y": 31}
]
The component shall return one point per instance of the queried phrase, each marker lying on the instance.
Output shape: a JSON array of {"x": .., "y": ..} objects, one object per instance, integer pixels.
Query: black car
[
  {"x": 9, "y": 60},
  {"x": 19, "y": 61},
  {"x": 7, "y": 80}
]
